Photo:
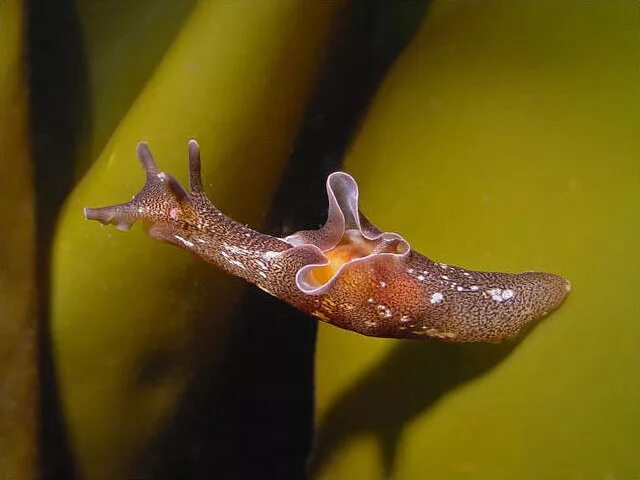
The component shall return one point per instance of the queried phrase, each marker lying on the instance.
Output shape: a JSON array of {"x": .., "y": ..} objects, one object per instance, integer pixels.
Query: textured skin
[{"x": 389, "y": 290}]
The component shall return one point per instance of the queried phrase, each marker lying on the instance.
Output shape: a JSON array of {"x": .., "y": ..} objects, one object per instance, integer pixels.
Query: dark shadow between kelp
[
  {"x": 256, "y": 421},
  {"x": 60, "y": 113}
]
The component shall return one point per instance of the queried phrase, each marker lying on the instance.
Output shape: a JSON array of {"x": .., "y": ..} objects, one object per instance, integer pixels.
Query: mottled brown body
[
  {"x": 383, "y": 299},
  {"x": 348, "y": 273}
]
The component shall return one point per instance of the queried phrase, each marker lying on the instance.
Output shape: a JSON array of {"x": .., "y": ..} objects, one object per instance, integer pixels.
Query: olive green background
[{"x": 497, "y": 135}]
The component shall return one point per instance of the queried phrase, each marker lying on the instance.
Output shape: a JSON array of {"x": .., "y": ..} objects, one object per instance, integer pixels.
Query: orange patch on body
[{"x": 337, "y": 257}]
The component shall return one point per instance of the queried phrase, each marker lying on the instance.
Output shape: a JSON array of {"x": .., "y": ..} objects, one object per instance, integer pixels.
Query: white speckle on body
[
  {"x": 383, "y": 285},
  {"x": 437, "y": 298},
  {"x": 499, "y": 295},
  {"x": 183, "y": 241},
  {"x": 496, "y": 294},
  {"x": 271, "y": 255},
  {"x": 384, "y": 311},
  {"x": 174, "y": 213},
  {"x": 237, "y": 250},
  {"x": 420, "y": 277},
  {"x": 237, "y": 264}
]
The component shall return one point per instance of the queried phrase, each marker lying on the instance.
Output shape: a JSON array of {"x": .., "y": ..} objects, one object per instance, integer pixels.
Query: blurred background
[{"x": 498, "y": 135}]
